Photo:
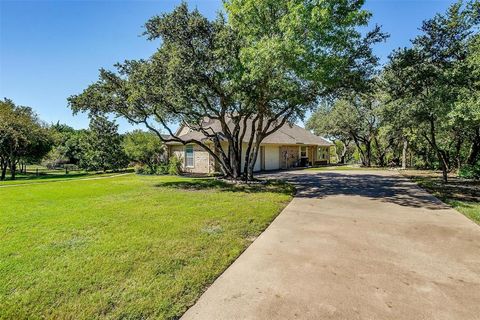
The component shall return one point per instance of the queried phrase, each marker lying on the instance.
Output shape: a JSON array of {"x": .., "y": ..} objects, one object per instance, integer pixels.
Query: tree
[
  {"x": 67, "y": 147},
  {"x": 145, "y": 148},
  {"x": 322, "y": 122},
  {"x": 350, "y": 119},
  {"x": 263, "y": 67},
  {"x": 426, "y": 78},
  {"x": 466, "y": 111},
  {"x": 102, "y": 146},
  {"x": 22, "y": 137}
]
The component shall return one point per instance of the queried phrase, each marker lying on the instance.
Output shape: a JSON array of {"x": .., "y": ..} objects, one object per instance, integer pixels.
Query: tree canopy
[
  {"x": 266, "y": 62},
  {"x": 22, "y": 137},
  {"x": 144, "y": 148},
  {"x": 424, "y": 99}
]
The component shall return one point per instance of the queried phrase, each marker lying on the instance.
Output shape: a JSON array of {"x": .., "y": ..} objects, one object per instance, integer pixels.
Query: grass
[
  {"x": 56, "y": 176},
  {"x": 461, "y": 194},
  {"x": 130, "y": 247}
]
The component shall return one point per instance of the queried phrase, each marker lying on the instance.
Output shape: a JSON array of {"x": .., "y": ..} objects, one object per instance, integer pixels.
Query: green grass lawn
[
  {"x": 56, "y": 175},
  {"x": 461, "y": 194},
  {"x": 129, "y": 247}
]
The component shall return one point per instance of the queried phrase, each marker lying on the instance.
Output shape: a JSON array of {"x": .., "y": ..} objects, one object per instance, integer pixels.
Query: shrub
[
  {"x": 140, "y": 169},
  {"x": 470, "y": 171},
  {"x": 162, "y": 168},
  {"x": 174, "y": 165}
]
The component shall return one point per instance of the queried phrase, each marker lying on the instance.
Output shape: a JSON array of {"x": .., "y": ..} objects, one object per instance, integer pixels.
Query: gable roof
[{"x": 287, "y": 134}]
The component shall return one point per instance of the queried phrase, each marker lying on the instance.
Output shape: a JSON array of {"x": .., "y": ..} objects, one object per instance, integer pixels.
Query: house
[{"x": 288, "y": 147}]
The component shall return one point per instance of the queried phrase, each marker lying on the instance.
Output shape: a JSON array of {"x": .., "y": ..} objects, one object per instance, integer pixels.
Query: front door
[{"x": 303, "y": 156}]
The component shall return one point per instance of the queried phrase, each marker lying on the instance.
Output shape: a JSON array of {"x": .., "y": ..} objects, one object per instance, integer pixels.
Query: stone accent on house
[{"x": 289, "y": 156}]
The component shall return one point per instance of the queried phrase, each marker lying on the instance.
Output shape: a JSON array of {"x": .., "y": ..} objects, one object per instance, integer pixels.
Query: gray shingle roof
[{"x": 287, "y": 134}]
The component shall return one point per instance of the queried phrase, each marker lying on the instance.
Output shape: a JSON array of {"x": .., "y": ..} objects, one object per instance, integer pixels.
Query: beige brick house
[{"x": 288, "y": 147}]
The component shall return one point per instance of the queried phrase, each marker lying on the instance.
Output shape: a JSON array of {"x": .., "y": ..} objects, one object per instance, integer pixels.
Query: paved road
[{"x": 354, "y": 245}]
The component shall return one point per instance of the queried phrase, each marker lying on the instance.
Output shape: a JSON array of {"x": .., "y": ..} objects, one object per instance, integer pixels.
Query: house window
[
  {"x": 303, "y": 152},
  {"x": 189, "y": 156}
]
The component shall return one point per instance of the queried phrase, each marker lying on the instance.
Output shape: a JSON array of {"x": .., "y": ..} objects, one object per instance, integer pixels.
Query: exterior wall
[
  {"x": 272, "y": 157},
  {"x": 202, "y": 161},
  {"x": 288, "y": 156}
]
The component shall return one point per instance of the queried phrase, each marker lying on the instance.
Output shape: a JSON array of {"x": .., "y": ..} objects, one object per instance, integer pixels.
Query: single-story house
[{"x": 288, "y": 147}]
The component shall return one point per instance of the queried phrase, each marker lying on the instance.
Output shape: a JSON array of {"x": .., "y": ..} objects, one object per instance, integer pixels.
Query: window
[
  {"x": 303, "y": 152},
  {"x": 189, "y": 156}
]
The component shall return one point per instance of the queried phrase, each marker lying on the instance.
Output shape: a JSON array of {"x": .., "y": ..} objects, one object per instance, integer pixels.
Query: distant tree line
[
  {"x": 423, "y": 108},
  {"x": 25, "y": 139}
]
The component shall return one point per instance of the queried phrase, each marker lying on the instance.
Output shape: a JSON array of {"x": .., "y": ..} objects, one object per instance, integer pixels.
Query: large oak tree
[{"x": 262, "y": 65}]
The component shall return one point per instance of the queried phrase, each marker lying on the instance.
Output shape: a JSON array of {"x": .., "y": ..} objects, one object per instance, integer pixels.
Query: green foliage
[
  {"x": 270, "y": 70},
  {"x": 102, "y": 146},
  {"x": 144, "y": 148},
  {"x": 426, "y": 82},
  {"x": 470, "y": 171},
  {"x": 23, "y": 138},
  {"x": 353, "y": 118},
  {"x": 162, "y": 168},
  {"x": 174, "y": 165},
  {"x": 140, "y": 169},
  {"x": 67, "y": 147},
  {"x": 423, "y": 109}
]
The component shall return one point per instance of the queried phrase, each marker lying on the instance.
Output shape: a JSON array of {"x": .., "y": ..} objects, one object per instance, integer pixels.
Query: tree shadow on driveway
[{"x": 385, "y": 188}]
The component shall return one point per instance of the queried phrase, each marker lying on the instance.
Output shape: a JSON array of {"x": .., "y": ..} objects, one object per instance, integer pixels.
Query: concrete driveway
[{"x": 354, "y": 245}]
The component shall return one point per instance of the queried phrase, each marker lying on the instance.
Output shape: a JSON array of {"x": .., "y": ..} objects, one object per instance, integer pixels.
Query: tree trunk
[
  {"x": 404, "y": 154},
  {"x": 4, "y": 173},
  {"x": 444, "y": 165},
  {"x": 474, "y": 148},
  {"x": 13, "y": 170},
  {"x": 381, "y": 153},
  {"x": 359, "y": 148},
  {"x": 3, "y": 167},
  {"x": 442, "y": 157},
  {"x": 458, "y": 149},
  {"x": 368, "y": 149},
  {"x": 344, "y": 152}
]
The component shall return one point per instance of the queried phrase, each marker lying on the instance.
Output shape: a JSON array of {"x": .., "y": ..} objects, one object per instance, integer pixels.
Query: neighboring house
[{"x": 288, "y": 147}]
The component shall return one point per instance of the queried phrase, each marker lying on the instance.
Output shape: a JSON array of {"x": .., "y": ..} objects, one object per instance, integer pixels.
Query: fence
[{"x": 38, "y": 171}]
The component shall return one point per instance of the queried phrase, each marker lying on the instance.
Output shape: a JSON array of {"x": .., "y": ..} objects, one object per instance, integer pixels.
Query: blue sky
[{"x": 52, "y": 49}]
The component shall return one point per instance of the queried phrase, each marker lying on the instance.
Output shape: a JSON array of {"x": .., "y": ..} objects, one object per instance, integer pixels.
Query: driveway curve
[{"x": 354, "y": 245}]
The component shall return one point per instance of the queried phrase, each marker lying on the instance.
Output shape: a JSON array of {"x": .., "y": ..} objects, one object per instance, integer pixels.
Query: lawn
[
  {"x": 461, "y": 194},
  {"x": 55, "y": 175},
  {"x": 130, "y": 247}
]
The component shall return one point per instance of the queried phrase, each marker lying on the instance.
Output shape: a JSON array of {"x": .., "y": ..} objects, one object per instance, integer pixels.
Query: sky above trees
[{"x": 51, "y": 49}]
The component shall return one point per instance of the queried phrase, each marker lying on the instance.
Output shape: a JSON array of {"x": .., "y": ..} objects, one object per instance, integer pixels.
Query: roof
[{"x": 287, "y": 134}]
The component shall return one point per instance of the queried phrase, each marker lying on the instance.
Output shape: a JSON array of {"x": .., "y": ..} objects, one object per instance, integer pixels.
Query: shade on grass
[
  {"x": 461, "y": 194},
  {"x": 125, "y": 247}
]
